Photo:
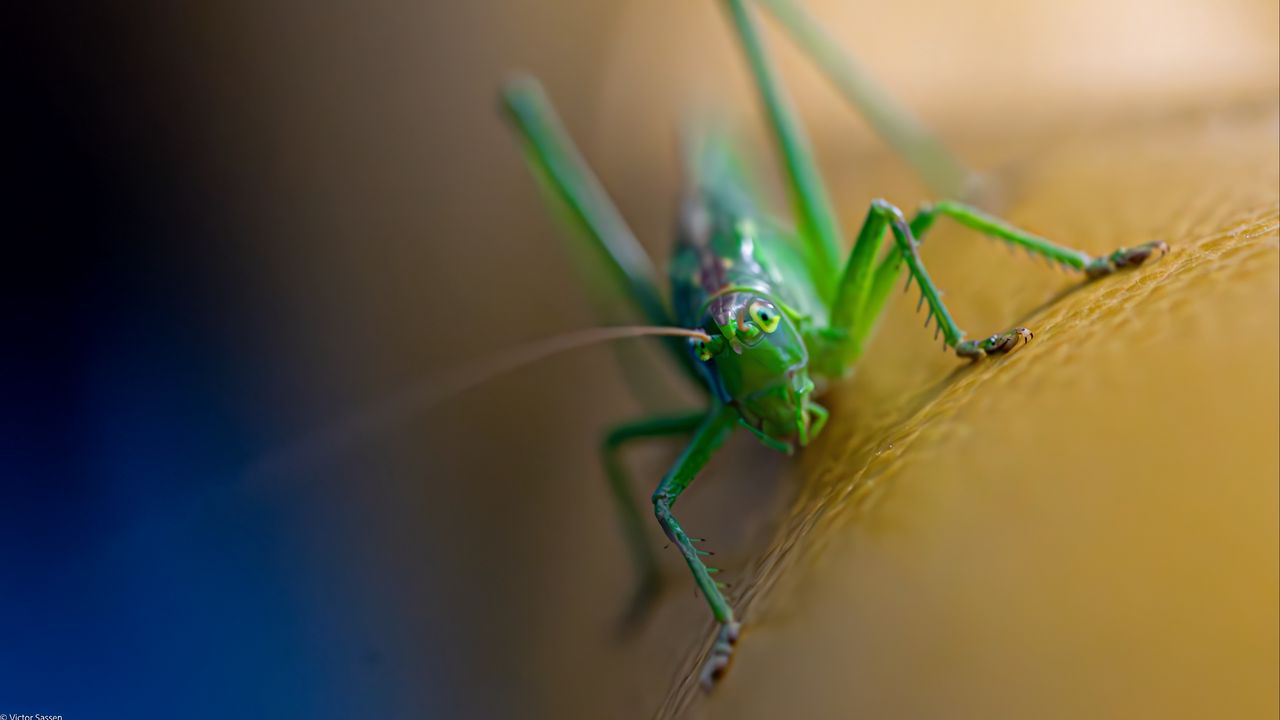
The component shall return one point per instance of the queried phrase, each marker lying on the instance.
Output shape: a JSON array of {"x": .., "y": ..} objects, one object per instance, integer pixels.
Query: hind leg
[
  {"x": 565, "y": 174},
  {"x": 940, "y": 170}
]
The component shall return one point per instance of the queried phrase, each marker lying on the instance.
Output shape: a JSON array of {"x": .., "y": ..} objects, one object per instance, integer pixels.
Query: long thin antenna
[{"x": 341, "y": 436}]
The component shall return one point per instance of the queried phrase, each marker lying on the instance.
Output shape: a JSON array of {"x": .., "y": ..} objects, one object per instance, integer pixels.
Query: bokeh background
[{"x": 237, "y": 226}]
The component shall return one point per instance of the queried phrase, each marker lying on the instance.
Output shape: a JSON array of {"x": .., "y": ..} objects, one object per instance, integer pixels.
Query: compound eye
[
  {"x": 765, "y": 316},
  {"x": 707, "y": 350}
]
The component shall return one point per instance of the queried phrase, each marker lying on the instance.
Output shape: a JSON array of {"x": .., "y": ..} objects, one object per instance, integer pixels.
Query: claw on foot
[
  {"x": 998, "y": 344},
  {"x": 721, "y": 653},
  {"x": 1125, "y": 258}
]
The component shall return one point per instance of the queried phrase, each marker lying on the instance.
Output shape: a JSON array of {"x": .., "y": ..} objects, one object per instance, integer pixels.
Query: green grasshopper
[{"x": 773, "y": 315}]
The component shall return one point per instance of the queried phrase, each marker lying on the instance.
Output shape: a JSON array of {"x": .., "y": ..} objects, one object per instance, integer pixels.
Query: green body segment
[
  {"x": 746, "y": 285},
  {"x": 724, "y": 243},
  {"x": 778, "y": 307}
]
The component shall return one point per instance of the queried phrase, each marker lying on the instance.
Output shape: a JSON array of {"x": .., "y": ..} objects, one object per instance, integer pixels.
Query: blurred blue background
[{"x": 141, "y": 573}]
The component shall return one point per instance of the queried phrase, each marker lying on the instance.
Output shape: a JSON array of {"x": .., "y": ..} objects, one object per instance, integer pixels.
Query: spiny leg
[
  {"x": 860, "y": 293},
  {"x": 632, "y": 524},
  {"x": 886, "y": 273},
  {"x": 708, "y": 438},
  {"x": 940, "y": 170},
  {"x": 884, "y": 277},
  {"x": 852, "y": 305},
  {"x": 818, "y": 224}
]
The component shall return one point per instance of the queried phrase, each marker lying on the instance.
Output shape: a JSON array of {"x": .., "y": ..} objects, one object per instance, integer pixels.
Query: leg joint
[
  {"x": 882, "y": 206},
  {"x": 614, "y": 438}
]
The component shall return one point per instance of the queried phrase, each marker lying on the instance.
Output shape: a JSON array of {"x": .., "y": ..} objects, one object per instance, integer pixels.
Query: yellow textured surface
[{"x": 1085, "y": 528}]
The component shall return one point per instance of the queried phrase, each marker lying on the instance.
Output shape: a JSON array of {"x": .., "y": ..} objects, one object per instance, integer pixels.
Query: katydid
[{"x": 775, "y": 314}]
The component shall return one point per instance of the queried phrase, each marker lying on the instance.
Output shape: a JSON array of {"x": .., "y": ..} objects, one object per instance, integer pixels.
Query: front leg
[
  {"x": 641, "y": 552},
  {"x": 708, "y": 438},
  {"x": 864, "y": 289},
  {"x": 860, "y": 297}
]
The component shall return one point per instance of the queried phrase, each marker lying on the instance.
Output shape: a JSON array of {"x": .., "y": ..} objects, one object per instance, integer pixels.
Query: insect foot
[
  {"x": 1125, "y": 258},
  {"x": 721, "y": 653},
  {"x": 995, "y": 345}
]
